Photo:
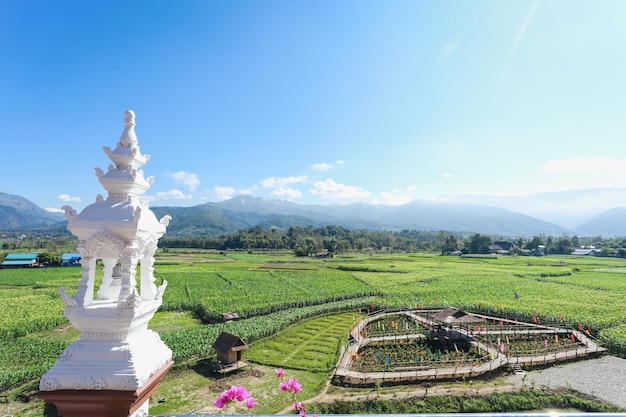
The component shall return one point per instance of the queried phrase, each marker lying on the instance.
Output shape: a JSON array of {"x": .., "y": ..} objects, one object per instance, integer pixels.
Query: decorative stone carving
[
  {"x": 67, "y": 300},
  {"x": 49, "y": 384},
  {"x": 90, "y": 383}
]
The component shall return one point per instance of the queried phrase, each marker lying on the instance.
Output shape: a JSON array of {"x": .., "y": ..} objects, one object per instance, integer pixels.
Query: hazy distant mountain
[
  {"x": 19, "y": 213},
  {"x": 456, "y": 214},
  {"x": 569, "y": 209},
  {"x": 247, "y": 211},
  {"x": 611, "y": 223}
]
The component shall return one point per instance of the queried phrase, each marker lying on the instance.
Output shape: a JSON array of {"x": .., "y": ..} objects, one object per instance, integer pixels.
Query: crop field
[
  {"x": 310, "y": 345},
  {"x": 272, "y": 292}
]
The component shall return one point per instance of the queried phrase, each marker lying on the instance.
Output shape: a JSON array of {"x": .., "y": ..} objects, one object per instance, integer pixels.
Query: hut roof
[
  {"x": 454, "y": 315},
  {"x": 227, "y": 341}
]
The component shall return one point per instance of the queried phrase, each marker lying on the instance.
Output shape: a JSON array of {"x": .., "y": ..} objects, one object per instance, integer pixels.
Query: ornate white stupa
[{"x": 116, "y": 355}]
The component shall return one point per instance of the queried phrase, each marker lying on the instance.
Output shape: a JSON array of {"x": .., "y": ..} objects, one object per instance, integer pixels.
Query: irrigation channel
[{"x": 389, "y": 347}]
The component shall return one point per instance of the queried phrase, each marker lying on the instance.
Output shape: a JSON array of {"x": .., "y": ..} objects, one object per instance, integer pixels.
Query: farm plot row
[
  {"x": 311, "y": 345},
  {"x": 416, "y": 353},
  {"x": 30, "y": 299},
  {"x": 501, "y": 287},
  {"x": 252, "y": 292},
  {"x": 16, "y": 356}
]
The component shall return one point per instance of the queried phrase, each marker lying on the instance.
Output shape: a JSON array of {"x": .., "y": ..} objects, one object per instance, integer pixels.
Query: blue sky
[{"x": 321, "y": 102}]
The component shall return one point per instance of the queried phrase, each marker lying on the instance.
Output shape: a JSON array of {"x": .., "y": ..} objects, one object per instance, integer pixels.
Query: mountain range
[{"x": 464, "y": 214}]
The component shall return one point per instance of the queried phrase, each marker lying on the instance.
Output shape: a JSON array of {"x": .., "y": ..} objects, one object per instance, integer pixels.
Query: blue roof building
[
  {"x": 70, "y": 259},
  {"x": 21, "y": 260}
]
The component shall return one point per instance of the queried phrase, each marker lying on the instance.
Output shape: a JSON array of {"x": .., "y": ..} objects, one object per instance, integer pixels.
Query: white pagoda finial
[{"x": 128, "y": 137}]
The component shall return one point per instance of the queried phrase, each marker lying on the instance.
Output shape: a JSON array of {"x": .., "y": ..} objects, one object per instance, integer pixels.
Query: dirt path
[
  {"x": 405, "y": 393},
  {"x": 602, "y": 378}
]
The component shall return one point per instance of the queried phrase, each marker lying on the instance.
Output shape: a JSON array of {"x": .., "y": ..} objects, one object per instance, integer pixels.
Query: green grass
[
  {"x": 311, "y": 344},
  {"x": 188, "y": 391}
]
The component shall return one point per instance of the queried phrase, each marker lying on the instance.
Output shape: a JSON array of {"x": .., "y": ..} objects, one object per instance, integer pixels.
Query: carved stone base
[{"x": 105, "y": 403}]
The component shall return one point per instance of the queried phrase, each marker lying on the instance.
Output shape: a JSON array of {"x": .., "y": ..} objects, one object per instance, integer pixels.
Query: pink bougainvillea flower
[
  {"x": 221, "y": 402},
  {"x": 295, "y": 385},
  {"x": 292, "y": 384},
  {"x": 235, "y": 392},
  {"x": 251, "y": 402},
  {"x": 239, "y": 393},
  {"x": 279, "y": 372}
]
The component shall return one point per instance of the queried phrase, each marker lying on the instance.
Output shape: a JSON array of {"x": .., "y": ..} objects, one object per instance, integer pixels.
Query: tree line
[{"x": 310, "y": 240}]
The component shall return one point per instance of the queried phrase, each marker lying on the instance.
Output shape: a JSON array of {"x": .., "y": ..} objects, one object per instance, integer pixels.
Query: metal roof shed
[
  {"x": 70, "y": 259},
  {"x": 21, "y": 260}
]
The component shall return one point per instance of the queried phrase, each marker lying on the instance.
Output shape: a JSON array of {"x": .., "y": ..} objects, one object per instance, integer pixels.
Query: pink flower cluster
[
  {"x": 292, "y": 385},
  {"x": 238, "y": 393}
]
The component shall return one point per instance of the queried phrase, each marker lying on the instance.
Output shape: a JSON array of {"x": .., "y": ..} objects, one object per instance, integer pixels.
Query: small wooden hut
[{"x": 229, "y": 348}]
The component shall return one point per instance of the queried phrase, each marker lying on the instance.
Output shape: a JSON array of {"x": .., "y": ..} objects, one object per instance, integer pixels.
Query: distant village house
[
  {"x": 587, "y": 251},
  {"x": 70, "y": 259}
]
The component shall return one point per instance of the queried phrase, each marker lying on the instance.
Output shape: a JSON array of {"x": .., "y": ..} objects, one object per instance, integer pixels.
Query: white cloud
[
  {"x": 322, "y": 166},
  {"x": 287, "y": 193},
  {"x": 186, "y": 178},
  {"x": 446, "y": 175},
  {"x": 248, "y": 191},
  {"x": 168, "y": 195},
  {"x": 54, "y": 210},
  {"x": 331, "y": 189},
  {"x": 278, "y": 182},
  {"x": 325, "y": 166},
  {"x": 586, "y": 165},
  {"x": 224, "y": 193},
  {"x": 68, "y": 198}
]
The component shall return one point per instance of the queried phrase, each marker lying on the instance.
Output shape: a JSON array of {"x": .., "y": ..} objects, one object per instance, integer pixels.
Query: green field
[{"x": 272, "y": 292}]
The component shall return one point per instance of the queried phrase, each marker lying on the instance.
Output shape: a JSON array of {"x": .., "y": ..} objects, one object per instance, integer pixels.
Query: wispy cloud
[
  {"x": 282, "y": 186},
  {"x": 68, "y": 198},
  {"x": 54, "y": 210},
  {"x": 448, "y": 50},
  {"x": 277, "y": 182},
  {"x": 325, "y": 166},
  {"x": 520, "y": 33},
  {"x": 186, "y": 178},
  {"x": 333, "y": 190},
  {"x": 168, "y": 195},
  {"x": 447, "y": 175},
  {"x": 585, "y": 165},
  {"x": 223, "y": 193},
  {"x": 395, "y": 198},
  {"x": 322, "y": 166},
  {"x": 286, "y": 193}
]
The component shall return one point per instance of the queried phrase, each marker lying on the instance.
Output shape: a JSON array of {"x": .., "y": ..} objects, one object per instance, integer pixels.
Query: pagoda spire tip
[{"x": 129, "y": 118}]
